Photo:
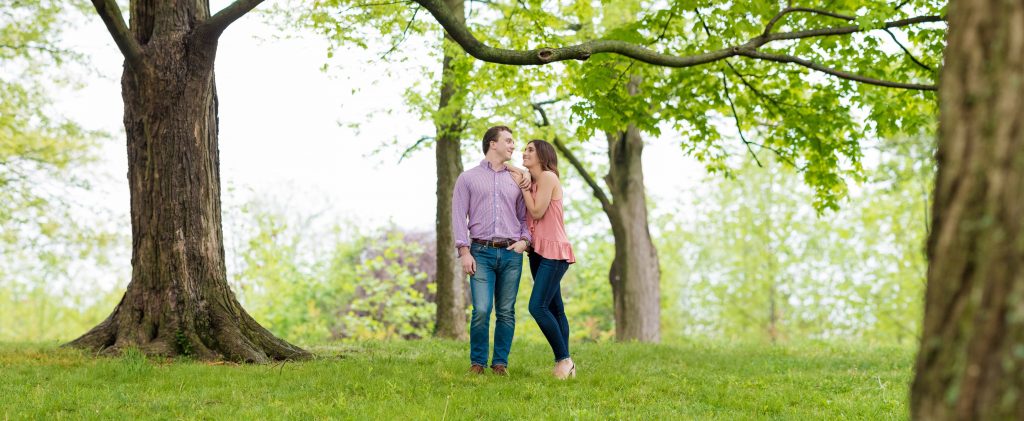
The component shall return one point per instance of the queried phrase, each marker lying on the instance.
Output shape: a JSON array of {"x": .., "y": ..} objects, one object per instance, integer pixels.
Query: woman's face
[{"x": 530, "y": 156}]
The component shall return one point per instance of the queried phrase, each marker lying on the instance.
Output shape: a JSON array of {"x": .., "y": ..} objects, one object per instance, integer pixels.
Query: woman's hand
[
  {"x": 519, "y": 246},
  {"x": 522, "y": 178}
]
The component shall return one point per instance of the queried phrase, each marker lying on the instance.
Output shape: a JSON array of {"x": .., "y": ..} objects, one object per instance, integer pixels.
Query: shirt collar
[{"x": 487, "y": 165}]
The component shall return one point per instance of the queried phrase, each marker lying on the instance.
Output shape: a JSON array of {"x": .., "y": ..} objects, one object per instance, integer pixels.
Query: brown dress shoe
[
  {"x": 476, "y": 369},
  {"x": 499, "y": 370}
]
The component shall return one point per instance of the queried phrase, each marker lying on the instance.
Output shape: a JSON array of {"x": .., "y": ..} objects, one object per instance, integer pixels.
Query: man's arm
[
  {"x": 524, "y": 230},
  {"x": 460, "y": 211}
]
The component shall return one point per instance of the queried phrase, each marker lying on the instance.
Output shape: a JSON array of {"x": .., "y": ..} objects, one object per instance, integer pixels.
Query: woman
[{"x": 551, "y": 253}]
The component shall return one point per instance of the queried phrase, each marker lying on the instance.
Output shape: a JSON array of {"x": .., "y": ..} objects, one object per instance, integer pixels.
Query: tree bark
[
  {"x": 971, "y": 360},
  {"x": 635, "y": 275},
  {"x": 178, "y": 301},
  {"x": 451, "y": 282}
]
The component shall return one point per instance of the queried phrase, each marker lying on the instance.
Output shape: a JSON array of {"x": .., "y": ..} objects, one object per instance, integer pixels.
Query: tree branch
[
  {"x": 405, "y": 34},
  {"x": 728, "y": 95},
  {"x": 216, "y": 24},
  {"x": 843, "y": 30},
  {"x": 539, "y": 106},
  {"x": 461, "y": 34},
  {"x": 736, "y": 117},
  {"x": 778, "y": 104},
  {"x": 540, "y": 29},
  {"x": 664, "y": 28},
  {"x": 54, "y": 52},
  {"x": 368, "y": 5},
  {"x": 771, "y": 102},
  {"x": 788, "y": 10},
  {"x": 413, "y": 148},
  {"x": 384, "y": 3},
  {"x": 784, "y": 58},
  {"x": 111, "y": 15},
  {"x": 905, "y": 50},
  {"x": 599, "y": 193}
]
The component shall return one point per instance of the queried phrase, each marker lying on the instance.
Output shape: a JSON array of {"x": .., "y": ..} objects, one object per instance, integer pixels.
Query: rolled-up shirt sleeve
[
  {"x": 524, "y": 230},
  {"x": 460, "y": 212}
]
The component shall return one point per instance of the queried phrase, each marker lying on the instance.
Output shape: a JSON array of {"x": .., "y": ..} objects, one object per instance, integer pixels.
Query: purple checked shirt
[{"x": 493, "y": 203}]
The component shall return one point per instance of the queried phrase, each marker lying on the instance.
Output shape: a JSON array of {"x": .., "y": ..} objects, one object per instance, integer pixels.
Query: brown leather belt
[{"x": 496, "y": 242}]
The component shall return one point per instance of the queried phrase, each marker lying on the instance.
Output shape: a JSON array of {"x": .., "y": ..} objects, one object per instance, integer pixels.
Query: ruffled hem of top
[{"x": 554, "y": 250}]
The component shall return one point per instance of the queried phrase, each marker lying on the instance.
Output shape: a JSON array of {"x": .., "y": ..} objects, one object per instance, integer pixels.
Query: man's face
[{"x": 504, "y": 146}]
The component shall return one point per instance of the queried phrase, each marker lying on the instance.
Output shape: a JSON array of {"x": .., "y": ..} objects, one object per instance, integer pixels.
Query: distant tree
[{"x": 758, "y": 263}]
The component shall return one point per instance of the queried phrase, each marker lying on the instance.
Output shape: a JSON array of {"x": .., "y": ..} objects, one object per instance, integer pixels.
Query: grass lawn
[{"x": 429, "y": 380}]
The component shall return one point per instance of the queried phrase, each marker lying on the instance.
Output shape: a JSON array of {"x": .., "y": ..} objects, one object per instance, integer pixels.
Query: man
[{"x": 491, "y": 246}]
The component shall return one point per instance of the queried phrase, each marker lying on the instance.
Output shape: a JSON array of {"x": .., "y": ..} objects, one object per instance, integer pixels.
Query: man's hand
[
  {"x": 468, "y": 263},
  {"x": 519, "y": 246}
]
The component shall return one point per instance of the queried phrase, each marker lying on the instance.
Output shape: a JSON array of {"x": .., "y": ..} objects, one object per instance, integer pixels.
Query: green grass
[{"x": 429, "y": 380}]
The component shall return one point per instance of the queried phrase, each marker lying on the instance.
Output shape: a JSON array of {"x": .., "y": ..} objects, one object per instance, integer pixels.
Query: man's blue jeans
[{"x": 494, "y": 285}]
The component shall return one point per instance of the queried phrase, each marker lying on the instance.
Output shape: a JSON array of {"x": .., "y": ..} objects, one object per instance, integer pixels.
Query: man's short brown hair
[{"x": 491, "y": 135}]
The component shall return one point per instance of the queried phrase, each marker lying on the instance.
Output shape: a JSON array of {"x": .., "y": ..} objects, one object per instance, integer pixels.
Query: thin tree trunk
[
  {"x": 770, "y": 271},
  {"x": 635, "y": 275},
  {"x": 451, "y": 282},
  {"x": 971, "y": 359},
  {"x": 773, "y": 315},
  {"x": 178, "y": 301}
]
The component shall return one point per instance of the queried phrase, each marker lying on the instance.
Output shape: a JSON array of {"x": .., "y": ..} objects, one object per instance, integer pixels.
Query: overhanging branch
[
  {"x": 111, "y": 15},
  {"x": 461, "y": 34},
  {"x": 54, "y": 52},
  {"x": 405, "y": 33},
  {"x": 599, "y": 193},
  {"x": 788, "y": 10},
  {"x": 907, "y": 51},
  {"x": 846, "y": 30},
  {"x": 411, "y": 149},
  {"x": 728, "y": 95},
  {"x": 784, "y": 58}
]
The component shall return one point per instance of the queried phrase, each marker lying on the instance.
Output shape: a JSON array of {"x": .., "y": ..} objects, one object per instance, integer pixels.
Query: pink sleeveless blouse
[{"x": 549, "y": 239}]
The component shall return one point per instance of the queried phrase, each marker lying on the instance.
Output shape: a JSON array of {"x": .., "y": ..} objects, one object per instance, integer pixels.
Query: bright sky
[{"x": 279, "y": 131}]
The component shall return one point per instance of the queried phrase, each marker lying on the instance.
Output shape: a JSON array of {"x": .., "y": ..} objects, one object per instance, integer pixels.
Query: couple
[{"x": 510, "y": 211}]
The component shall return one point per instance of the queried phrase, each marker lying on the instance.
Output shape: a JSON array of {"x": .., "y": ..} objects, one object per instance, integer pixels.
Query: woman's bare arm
[{"x": 546, "y": 184}]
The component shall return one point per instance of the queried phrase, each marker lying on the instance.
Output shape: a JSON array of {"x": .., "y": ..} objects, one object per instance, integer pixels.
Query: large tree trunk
[
  {"x": 971, "y": 360},
  {"x": 635, "y": 275},
  {"x": 451, "y": 282},
  {"x": 178, "y": 301}
]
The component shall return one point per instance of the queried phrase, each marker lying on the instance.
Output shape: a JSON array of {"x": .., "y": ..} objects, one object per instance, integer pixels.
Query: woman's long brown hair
[{"x": 546, "y": 155}]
